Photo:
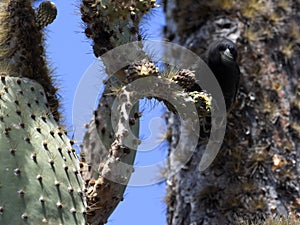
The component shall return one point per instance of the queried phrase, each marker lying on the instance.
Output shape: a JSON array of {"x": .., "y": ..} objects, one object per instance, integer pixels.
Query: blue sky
[{"x": 70, "y": 53}]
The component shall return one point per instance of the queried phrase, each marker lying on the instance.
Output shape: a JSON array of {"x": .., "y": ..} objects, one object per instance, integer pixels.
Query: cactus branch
[{"x": 21, "y": 47}]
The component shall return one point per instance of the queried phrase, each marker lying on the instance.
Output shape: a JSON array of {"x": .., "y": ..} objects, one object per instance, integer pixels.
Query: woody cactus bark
[
  {"x": 110, "y": 24},
  {"x": 40, "y": 180},
  {"x": 256, "y": 173}
]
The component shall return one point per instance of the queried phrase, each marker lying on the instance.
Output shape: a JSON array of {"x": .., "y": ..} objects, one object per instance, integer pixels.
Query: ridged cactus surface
[
  {"x": 46, "y": 14},
  {"x": 39, "y": 174}
]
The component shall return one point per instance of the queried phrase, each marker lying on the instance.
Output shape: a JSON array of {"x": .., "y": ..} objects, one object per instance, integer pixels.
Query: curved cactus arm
[
  {"x": 109, "y": 24},
  {"x": 106, "y": 158}
]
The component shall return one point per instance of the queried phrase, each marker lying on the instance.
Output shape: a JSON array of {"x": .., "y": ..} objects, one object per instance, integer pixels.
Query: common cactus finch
[{"x": 221, "y": 58}]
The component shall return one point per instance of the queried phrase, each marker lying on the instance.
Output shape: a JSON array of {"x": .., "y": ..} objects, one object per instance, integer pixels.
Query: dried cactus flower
[
  {"x": 184, "y": 78},
  {"x": 140, "y": 69}
]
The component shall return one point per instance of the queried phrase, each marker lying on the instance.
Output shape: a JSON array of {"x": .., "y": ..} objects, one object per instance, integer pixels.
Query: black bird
[{"x": 221, "y": 58}]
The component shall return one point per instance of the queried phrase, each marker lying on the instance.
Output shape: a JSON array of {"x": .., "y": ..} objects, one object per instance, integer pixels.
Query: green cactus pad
[{"x": 39, "y": 175}]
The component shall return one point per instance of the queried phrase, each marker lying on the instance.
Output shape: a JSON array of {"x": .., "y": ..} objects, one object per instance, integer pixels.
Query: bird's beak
[
  {"x": 228, "y": 53},
  {"x": 227, "y": 56}
]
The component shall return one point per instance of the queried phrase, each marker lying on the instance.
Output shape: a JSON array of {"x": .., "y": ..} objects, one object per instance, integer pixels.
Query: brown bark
[
  {"x": 255, "y": 174},
  {"x": 107, "y": 158}
]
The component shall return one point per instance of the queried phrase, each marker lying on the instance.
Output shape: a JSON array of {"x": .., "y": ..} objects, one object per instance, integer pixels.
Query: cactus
[
  {"x": 113, "y": 23},
  {"x": 40, "y": 175},
  {"x": 46, "y": 14},
  {"x": 40, "y": 181},
  {"x": 21, "y": 48},
  {"x": 109, "y": 24}
]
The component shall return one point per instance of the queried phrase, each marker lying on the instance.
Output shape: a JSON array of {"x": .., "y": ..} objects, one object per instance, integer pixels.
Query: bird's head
[
  {"x": 224, "y": 50},
  {"x": 228, "y": 51}
]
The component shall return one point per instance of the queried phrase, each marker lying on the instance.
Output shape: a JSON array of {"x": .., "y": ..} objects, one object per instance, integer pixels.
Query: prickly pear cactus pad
[
  {"x": 45, "y": 14},
  {"x": 39, "y": 174},
  {"x": 112, "y": 23},
  {"x": 22, "y": 52}
]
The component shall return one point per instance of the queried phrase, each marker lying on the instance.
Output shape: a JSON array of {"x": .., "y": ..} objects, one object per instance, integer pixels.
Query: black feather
[{"x": 221, "y": 58}]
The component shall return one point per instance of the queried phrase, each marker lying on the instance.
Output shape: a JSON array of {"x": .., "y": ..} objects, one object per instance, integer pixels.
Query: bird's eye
[{"x": 222, "y": 47}]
